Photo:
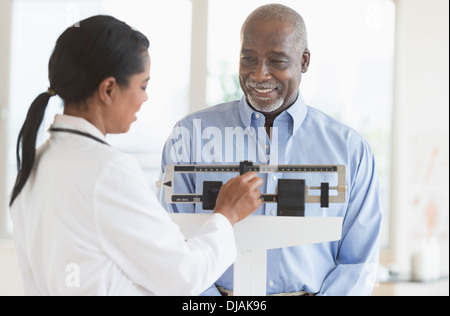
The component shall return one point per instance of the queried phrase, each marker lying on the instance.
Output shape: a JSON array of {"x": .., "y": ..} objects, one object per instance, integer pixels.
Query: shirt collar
[
  {"x": 77, "y": 123},
  {"x": 297, "y": 112}
]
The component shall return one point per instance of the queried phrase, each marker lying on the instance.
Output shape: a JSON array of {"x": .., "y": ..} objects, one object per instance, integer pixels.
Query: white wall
[
  {"x": 10, "y": 282},
  {"x": 5, "y": 41},
  {"x": 420, "y": 169},
  {"x": 199, "y": 47}
]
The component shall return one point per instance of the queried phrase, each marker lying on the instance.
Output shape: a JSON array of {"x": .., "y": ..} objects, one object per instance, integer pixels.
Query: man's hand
[{"x": 239, "y": 197}]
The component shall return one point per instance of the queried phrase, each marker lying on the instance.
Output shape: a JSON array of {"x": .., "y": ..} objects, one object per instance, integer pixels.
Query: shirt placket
[{"x": 272, "y": 148}]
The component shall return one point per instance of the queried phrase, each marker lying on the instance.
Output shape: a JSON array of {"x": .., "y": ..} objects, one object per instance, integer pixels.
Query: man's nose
[{"x": 261, "y": 72}]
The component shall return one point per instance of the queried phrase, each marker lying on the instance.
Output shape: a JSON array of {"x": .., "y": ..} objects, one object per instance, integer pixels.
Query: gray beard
[{"x": 265, "y": 108}]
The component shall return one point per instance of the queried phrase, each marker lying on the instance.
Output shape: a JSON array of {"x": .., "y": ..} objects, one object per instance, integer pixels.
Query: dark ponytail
[
  {"x": 86, "y": 54},
  {"x": 26, "y": 142}
]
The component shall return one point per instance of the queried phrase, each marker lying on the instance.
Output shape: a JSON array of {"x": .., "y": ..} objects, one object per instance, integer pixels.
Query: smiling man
[
  {"x": 272, "y": 125},
  {"x": 274, "y": 55}
]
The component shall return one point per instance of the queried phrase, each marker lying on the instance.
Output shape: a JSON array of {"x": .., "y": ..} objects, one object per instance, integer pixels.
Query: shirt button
[
  {"x": 257, "y": 115},
  {"x": 274, "y": 178},
  {"x": 267, "y": 146},
  {"x": 271, "y": 283},
  {"x": 272, "y": 212}
]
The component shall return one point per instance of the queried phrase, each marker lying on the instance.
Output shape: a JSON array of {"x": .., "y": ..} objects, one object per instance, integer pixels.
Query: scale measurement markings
[{"x": 261, "y": 169}]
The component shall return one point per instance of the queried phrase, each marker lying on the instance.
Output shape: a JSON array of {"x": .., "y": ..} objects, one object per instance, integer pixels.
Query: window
[{"x": 351, "y": 71}]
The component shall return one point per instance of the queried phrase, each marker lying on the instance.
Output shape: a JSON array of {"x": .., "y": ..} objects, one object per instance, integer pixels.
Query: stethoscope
[{"x": 73, "y": 131}]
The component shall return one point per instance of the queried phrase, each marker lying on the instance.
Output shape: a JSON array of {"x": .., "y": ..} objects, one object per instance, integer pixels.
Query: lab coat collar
[{"x": 78, "y": 123}]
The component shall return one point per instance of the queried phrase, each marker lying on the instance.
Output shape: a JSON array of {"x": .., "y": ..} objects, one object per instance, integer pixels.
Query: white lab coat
[{"x": 87, "y": 223}]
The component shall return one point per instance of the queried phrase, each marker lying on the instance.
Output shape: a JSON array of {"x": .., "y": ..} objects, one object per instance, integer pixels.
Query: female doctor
[{"x": 85, "y": 220}]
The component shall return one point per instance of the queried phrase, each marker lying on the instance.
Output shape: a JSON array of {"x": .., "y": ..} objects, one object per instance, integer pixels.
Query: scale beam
[{"x": 289, "y": 190}]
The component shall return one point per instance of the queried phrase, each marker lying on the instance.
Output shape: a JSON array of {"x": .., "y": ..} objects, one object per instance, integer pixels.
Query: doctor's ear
[{"x": 107, "y": 90}]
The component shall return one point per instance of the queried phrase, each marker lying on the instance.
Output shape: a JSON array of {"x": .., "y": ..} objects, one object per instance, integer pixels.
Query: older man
[{"x": 273, "y": 125}]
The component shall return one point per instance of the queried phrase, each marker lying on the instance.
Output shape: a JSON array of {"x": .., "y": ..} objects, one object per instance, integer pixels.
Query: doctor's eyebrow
[{"x": 148, "y": 79}]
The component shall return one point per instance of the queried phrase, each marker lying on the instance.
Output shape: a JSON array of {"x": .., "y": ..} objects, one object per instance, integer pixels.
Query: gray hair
[{"x": 281, "y": 12}]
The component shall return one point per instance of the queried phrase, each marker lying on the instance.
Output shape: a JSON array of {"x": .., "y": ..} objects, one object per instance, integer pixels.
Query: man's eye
[
  {"x": 248, "y": 59},
  {"x": 279, "y": 64}
]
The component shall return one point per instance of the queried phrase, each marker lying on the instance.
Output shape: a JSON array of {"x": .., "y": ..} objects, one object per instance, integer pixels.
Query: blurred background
[{"x": 379, "y": 66}]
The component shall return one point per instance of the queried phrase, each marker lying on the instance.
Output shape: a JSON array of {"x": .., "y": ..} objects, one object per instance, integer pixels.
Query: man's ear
[
  {"x": 107, "y": 90},
  {"x": 306, "y": 57}
]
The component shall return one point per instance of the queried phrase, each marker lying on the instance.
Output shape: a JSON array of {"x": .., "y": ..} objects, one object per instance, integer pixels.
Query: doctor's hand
[{"x": 239, "y": 197}]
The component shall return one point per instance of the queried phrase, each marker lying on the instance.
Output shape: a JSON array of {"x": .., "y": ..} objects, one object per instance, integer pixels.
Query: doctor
[{"x": 85, "y": 220}]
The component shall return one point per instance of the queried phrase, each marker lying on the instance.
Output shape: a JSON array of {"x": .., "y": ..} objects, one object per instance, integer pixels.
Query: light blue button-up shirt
[{"x": 232, "y": 132}]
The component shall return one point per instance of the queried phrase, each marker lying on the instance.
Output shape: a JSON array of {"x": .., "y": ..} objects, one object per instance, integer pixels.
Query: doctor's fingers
[
  {"x": 249, "y": 179},
  {"x": 249, "y": 176},
  {"x": 255, "y": 182},
  {"x": 246, "y": 182},
  {"x": 242, "y": 179},
  {"x": 255, "y": 193},
  {"x": 255, "y": 197}
]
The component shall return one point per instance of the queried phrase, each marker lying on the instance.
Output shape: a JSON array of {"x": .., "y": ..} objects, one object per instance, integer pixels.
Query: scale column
[{"x": 250, "y": 273}]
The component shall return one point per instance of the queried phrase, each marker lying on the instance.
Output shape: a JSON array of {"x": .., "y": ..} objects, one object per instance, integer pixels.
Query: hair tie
[{"x": 51, "y": 92}]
